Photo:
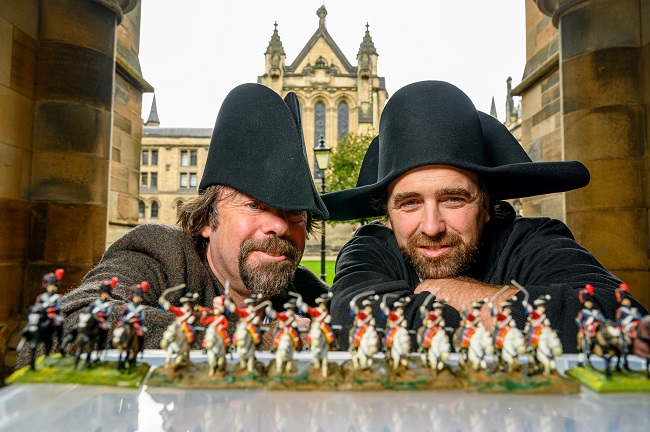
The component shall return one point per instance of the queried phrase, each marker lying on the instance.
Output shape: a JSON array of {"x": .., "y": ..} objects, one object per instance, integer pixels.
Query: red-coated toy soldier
[
  {"x": 217, "y": 318},
  {"x": 248, "y": 316},
  {"x": 536, "y": 319},
  {"x": 502, "y": 319},
  {"x": 394, "y": 318},
  {"x": 362, "y": 320},
  {"x": 184, "y": 314},
  {"x": 134, "y": 312},
  {"x": 320, "y": 316},
  {"x": 432, "y": 322},
  {"x": 286, "y": 323},
  {"x": 470, "y": 321}
]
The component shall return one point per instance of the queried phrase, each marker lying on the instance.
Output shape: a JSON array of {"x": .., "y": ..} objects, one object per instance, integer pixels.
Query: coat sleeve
[
  {"x": 369, "y": 261},
  {"x": 542, "y": 255}
]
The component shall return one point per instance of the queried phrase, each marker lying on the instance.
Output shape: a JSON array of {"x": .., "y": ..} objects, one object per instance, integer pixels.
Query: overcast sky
[{"x": 195, "y": 51}]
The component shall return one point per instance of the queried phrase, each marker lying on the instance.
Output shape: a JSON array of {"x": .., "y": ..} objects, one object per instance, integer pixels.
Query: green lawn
[{"x": 314, "y": 265}]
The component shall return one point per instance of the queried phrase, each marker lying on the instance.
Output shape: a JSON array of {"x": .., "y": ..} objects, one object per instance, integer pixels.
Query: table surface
[{"x": 74, "y": 407}]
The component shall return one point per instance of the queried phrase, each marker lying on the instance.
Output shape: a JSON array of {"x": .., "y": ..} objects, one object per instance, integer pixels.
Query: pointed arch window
[
  {"x": 140, "y": 209},
  {"x": 319, "y": 131},
  {"x": 343, "y": 120},
  {"x": 154, "y": 210}
]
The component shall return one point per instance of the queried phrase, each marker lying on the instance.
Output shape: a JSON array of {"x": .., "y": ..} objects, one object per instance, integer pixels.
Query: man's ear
[
  {"x": 388, "y": 222},
  {"x": 206, "y": 231},
  {"x": 486, "y": 208}
]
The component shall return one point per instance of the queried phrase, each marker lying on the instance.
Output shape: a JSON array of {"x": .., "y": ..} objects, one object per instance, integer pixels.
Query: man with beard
[
  {"x": 438, "y": 173},
  {"x": 257, "y": 203}
]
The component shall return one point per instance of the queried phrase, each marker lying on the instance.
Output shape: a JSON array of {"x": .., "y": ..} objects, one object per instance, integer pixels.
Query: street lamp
[{"x": 322, "y": 154}]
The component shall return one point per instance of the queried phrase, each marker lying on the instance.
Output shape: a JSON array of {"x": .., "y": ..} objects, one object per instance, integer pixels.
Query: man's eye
[{"x": 254, "y": 206}]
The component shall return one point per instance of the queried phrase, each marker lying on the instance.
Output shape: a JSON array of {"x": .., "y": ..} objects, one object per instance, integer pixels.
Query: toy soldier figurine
[
  {"x": 247, "y": 316},
  {"x": 432, "y": 322},
  {"x": 627, "y": 320},
  {"x": 101, "y": 309},
  {"x": 395, "y": 317},
  {"x": 362, "y": 319},
  {"x": 184, "y": 314},
  {"x": 502, "y": 320},
  {"x": 50, "y": 303},
  {"x": 216, "y": 318},
  {"x": 286, "y": 323},
  {"x": 134, "y": 312},
  {"x": 588, "y": 320},
  {"x": 536, "y": 319},
  {"x": 320, "y": 316}
]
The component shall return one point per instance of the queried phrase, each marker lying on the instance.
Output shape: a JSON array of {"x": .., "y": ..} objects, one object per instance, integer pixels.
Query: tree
[{"x": 345, "y": 163}]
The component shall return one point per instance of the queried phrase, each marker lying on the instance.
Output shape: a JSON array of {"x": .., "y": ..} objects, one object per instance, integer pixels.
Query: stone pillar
[
  {"x": 604, "y": 90},
  {"x": 71, "y": 144}
]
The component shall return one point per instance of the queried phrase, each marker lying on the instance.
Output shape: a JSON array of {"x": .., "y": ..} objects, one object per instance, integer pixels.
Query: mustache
[
  {"x": 445, "y": 238},
  {"x": 272, "y": 244}
]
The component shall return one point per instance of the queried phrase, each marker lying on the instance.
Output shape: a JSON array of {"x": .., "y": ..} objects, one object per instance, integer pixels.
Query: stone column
[
  {"x": 604, "y": 51},
  {"x": 71, "y": 145}
]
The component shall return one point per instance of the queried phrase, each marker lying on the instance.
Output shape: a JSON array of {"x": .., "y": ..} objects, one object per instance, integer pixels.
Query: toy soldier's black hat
[
  {"x": 53, "y": 278},
  {"x": 189, "y": 297},
  {"x": 401, "y": 302},
  {"x": 257, "y": 148},
  {"x": 542, "y": 300},
  {"x": 478, "y": 304},
  {"x": 139, "y": 289},
  {"x": 253, "y": 299},
  {"x": 439, "y": 304},
  {"x": 622, "y": 292},
  {"x": 107, "y": 285},
  {"x": 509, "y": 301},
  {"x": 586, "y": 294},
  {"x": 290, "y": 304},
  {"x": 370, "y": 300},
  {"x": 435, "y": 123},
  {"x": 324, "y": 298}
]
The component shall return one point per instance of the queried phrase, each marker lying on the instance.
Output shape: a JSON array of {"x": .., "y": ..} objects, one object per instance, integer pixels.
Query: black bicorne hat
[
  {"x": 435, "y": 123},
  {"x": 257, "y": 148}
]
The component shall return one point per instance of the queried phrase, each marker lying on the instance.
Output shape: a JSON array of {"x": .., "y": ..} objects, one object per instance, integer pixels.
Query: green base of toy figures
[
  {"x": 625, "y": 381},
  {"x": 56, "y": 369}
]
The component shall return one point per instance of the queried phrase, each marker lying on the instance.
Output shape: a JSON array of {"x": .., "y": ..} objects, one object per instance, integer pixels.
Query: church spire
[
  {"x": 367, "y": 45},
  {"x": 153, "y": 114},
  {"x": 367, "y": 56},
  {"x": 275, "y": 45},
  {"x": 493, "y": 109}
]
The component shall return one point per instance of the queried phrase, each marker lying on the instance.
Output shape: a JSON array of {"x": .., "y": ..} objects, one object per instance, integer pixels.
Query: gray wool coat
[{"x": 164, "y": 256}]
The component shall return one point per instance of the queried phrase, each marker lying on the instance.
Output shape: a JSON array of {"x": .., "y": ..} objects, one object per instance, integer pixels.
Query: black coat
[{"x": 539, "y": 253}]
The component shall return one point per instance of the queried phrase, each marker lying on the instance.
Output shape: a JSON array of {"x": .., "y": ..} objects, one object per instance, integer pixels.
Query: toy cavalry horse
[
  {"x": 362, "y": 358},
  {"x": 364, "y": 340},
  {"x": 432, "y": 336},
  {"x": 545, "y": 348},
  {"x": 509, "y": 346},
  {"x": 243, "y": 338},
  {"x": 38, "y": 330},
  {"x": 216, "y": 349},
  {"x": 284, "y": 351},
  {"x": 87, "y": 336},
  {"x": 398, "y": 341},
  {"x": 174, "y": 341},
  {"x": 127, "y": 345},
  {"x": 472, "y": 346}
]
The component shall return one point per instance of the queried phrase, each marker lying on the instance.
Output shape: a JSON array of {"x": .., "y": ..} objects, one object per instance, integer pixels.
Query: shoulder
[
  {"x": 154, "y": 233},
  {"x": 540, "y": 226}
]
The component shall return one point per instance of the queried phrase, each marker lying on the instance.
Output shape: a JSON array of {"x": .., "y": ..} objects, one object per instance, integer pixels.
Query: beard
[
  {"x": 268, "y": 278},
  {"x": 451, "y": 264}
]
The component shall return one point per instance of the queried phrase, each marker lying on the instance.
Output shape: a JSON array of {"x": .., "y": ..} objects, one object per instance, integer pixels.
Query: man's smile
[{"x": 434, "y": 251}]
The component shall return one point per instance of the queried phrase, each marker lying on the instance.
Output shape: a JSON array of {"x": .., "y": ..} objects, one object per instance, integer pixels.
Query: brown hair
[{"x": 201, "y": 211}]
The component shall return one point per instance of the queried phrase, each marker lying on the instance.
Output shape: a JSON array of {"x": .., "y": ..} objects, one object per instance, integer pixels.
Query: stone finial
[
  {"x": 153, "y": 119},
  {"x": 322, "y": 13},
  {"x": 367, "y": 45},
  {"x": 275, "y": 44}
]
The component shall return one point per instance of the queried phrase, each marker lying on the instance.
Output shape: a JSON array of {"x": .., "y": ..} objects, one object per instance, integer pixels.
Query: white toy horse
[
  {"x": 548, "y": 349},
  {"x": 362, "y": 358},
  {"x": 175, "y": 342},
  {"x": 436, "y": 354},
  {"x": 244, "y": 346},
  {"x": 474, "y": 352},
  {"x": 400, "y": 348},
  {"x": 216, "y": 349},
  {"x": 511, "y": 347},
  {"x": 319, "y": 348},
  {"x": 284, "y": 352}
]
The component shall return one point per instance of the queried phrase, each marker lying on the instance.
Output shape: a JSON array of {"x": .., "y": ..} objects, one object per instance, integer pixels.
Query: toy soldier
[
  {"x": 101, "y": 309},
  {"x": 627, "y": 320},
  {"x": 216, "y": 318},
  {"x": 320, "y": 316},
  {"x": 134, "y": 312},
  {"x": 502, "y": 319},
  {"x": 588, "y": 320},
  {"x": 395, "y": 317},
  {"x": 184, "y": 314},
  {"x": 247, "y": 316},
  {"x": 362, "y": 320},
  {"x": 286, "y": 323},
  {"x": 432, "y": 322},
  {"x": 536, "y": 319},
  {"x": 50, "y": 303},
  {"x": 469, "y": 322}
]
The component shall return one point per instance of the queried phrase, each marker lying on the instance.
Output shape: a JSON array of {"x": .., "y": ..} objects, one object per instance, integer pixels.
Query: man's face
[
  {"x": 437, "y": 214},
  {"x": 255, "y": 246}
]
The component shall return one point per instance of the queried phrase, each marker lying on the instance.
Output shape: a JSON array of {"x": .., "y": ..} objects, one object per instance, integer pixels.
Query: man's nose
[
  {"x": 432, "y": 222},
  {"x": 277, "y": 223}
]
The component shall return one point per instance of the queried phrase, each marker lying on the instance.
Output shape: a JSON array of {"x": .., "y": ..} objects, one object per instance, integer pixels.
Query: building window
[
  {"x": 154, "y": 210},
  {"x": 154, "y": 157},
  {"x": 141, "y": 209},
  {"x": 188, "y": 158},
  {"x": 319, "y": 131},
  {"x": 183, "y": 180},
  {"x": 343, "y": 120},
  {"x": 145, "y": 157},
  {"x": 144, "y": 180},
  {"x": 192, "y": 180},
  {"x": 154, "y": 180}
]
